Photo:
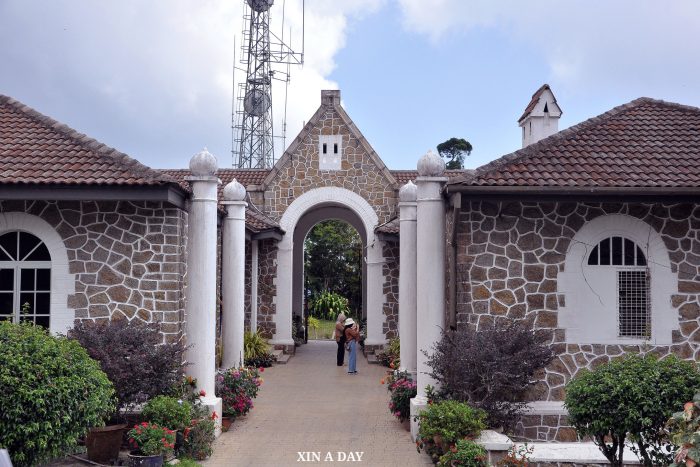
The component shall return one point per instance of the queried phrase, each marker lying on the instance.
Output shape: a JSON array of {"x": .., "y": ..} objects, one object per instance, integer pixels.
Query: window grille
[{"x": 633, "y": 303}]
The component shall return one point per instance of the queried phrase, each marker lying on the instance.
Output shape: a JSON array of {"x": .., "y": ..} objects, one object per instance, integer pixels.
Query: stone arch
[
  {"x": 588, "y": 299},
  {"x": 62, "y": 281},
  {"x": 374, "y": 258}
]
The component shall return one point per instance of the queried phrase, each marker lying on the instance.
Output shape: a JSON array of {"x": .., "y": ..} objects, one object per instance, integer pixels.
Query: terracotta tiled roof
[
  {"x": 404, "y": 176},
  {"x": 533, "y": 102},
  {"x": 645, "y": 143},
  {"x": 35, "y": 149},
  {"x": 391, "y": 227},
  {"x": 255, "y": 220}
]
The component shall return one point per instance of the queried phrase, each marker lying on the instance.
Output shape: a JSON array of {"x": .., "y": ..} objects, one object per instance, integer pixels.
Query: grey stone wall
[
  {"x": 267, "y": 262},
  {"x": 509, "y": 257},
  {"x": 128, "y": 258},
  {"x": 390, "y": 270}
]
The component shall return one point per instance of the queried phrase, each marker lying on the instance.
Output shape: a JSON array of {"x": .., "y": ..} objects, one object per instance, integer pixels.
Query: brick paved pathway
[{"x": 311, "y": 405}]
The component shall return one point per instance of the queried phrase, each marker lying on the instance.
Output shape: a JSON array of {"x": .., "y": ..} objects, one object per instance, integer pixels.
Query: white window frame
[
  {"x": 62, "y": 281},
  {"x": 590, "y": 313}
]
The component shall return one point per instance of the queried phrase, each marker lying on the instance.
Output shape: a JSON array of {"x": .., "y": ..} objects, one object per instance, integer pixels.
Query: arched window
[
  {"x": 25, "y": 279},
  {"x": 632, "y": 275}
]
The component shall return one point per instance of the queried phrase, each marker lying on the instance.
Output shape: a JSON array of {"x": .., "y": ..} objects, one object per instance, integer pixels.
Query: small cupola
[{"x": 541, "y": 116}]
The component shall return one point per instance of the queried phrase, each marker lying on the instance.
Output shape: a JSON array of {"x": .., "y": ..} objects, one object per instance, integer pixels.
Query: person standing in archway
[
  {"x": 352, "y": 335},
  {"x": 340, "y": 338}
]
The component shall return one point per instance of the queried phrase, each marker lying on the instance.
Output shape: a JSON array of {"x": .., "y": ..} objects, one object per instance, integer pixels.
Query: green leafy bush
[
  {"x": 443, "y": 423},
  {"x": 169, "y": 412},
  {"x": 631, "y": 398},
  {"x": 391, "y": 355},
  {"x": 254, "y": 345},
  {"x": 261, "y": 361},
  {"x": 52, "y": 392},
  {"x": 328, "y": 305},
  {"x": 237, "y": 388},
  {"x": 199, "y": 437},
  {"x": 464, "y": 453},
  {"x": 490, "y": 368}
]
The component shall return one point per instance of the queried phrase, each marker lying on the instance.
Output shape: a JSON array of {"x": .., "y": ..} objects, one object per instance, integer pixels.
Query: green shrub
[
  {"x": 465, "y": 453},
  {"x": 443, "y": 423},
  {"x": 52, "y": 392},
  {"x": 631, "y": 398},
  {"x": 199, "y": 437},
  {"x": 149, "y": 439},
  {"x": 391, "y": 355},
  {"x": 261, "y": 361},
  {"x": 328, "y": 305},
  {"x": 254, "y": 345},
  {"x": 168, "y": 412}
]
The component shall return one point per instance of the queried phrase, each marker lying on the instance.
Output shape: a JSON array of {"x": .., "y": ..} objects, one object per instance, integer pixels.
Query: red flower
[
  {"x": 202, "y": 393},
  {"x": 262, "y": 369},
  {"x": 214, "y": 416}
]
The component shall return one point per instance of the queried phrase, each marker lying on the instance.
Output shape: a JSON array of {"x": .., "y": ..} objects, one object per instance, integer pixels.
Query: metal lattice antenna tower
[{"x": 253, "y": 135}]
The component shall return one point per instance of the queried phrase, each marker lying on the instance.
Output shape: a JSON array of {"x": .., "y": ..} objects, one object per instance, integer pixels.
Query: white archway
[
  {"x": 373, "y": 255},
  {"x": 590, "y": 307},
  {"x": 62, "y": 281}
]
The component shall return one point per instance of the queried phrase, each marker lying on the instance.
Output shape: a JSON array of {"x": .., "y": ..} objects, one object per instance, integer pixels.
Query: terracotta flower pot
[
  {"x": 226, "y": 423},
  {"x": 103, "y": 443}
]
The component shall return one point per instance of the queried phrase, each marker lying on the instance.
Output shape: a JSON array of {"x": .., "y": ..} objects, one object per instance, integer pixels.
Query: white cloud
[
  {"x": 585, "y": 43},
  {"x": 155, "y": 78}
]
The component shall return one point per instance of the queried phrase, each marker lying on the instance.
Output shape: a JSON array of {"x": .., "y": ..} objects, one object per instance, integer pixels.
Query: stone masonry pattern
[
  {"x": 358, "y": 173},
  {"x": 509, "y": 257},
  {"x": 390, "y": 269},
  {"x": 128, "y": 258},
  {"x": 267, "y": 264}
]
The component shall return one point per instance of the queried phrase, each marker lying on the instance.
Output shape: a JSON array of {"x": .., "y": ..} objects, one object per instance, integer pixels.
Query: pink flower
[{"x": 202, "y": 393}]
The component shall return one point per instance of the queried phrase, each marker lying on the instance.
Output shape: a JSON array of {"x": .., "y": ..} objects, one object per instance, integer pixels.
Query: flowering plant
[
  {"x": 151, "y": 440},
  {"x": 237, "y": 388},
  {"x": 402, "y": 391}
]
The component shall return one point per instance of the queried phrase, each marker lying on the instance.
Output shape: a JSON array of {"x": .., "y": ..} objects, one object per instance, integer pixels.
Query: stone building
[{"x": 591, "y": 234}]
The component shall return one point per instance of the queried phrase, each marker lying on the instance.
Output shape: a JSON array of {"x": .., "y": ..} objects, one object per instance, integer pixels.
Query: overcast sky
[{"x": 153, "y": 78}]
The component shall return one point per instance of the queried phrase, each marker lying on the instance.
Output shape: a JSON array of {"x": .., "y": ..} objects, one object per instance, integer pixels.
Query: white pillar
[
  {"x": 283, "y": 303},
  {"x": 407, "y": 277},
  {"x": 233, "y": 275},
  {"x": 430, "y": 267},
  {"x": 254, "y": 285},
  {"x": 201, "y": 277},
  {"x": 374, "y": 336}
]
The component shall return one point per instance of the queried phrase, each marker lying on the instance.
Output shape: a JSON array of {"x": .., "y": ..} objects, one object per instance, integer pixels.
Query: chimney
[
  {"x": 541, "y": 116},
  {"x": 330, "y": 97}
]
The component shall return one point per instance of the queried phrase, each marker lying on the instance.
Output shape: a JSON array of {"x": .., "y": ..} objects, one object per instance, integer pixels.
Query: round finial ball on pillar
[
  {"x": 234, "y": 191},
  {"x": 431, "y": 165},
  {"x": 409, "y": 192},
  {"x": 203, "y": 164}
]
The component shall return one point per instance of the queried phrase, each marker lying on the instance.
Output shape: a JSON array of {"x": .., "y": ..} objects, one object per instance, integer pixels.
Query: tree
[
  {"x": 454, "y": 150},
  {"x": 333, "y": 261}
]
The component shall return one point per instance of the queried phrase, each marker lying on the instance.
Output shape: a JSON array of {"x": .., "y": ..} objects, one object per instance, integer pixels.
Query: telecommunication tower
[{"x": 264, "y": 57}]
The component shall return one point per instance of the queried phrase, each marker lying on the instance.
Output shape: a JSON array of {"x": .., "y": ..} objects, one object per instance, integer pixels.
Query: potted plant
[
  {"x": 150, "y": 442},
  {"x": 139, "y": 366},
  {"x": 170, "y": 412},
  {"x": 237, "y": 388},
  {"x": 402, "y": 391}
]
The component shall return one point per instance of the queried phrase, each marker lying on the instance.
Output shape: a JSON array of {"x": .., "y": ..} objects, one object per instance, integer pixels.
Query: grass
[{"x": 324, "y": 331}]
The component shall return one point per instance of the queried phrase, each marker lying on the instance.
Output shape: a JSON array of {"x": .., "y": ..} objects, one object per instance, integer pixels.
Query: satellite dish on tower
[
  {"x": 265, "y": 57},
  {"x": 260, "y": 5}
]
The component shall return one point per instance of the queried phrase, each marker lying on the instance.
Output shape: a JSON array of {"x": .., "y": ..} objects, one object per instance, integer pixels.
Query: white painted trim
[
  {"x": 374, "y": 258},
  {"x": 590, "y": 314},
  {"x": 62, "y": 281}
]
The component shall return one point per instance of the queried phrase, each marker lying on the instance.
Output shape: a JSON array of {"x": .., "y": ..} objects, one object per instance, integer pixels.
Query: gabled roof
[
  {"x": 255, "y": 220},
  {"x": 404, "y": 176},
  {"x": 38, "y": 150},
  {"x": 536, "y": 99},
  {"x": 334, "y": 103},
  {"x": 644, "y": 144}
]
